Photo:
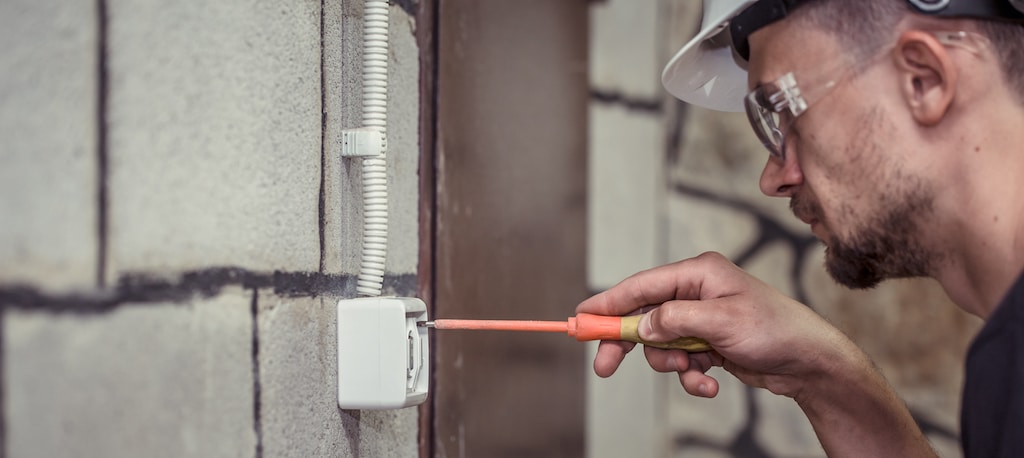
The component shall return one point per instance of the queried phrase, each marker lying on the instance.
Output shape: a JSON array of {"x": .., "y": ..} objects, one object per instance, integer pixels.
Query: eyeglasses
[{"x": 773, "y": 108}]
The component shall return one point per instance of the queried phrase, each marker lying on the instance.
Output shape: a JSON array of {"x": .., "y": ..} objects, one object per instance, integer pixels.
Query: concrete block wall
[
  {"x": 176, "y": 226},
  {"x": 670, "y": 181}
]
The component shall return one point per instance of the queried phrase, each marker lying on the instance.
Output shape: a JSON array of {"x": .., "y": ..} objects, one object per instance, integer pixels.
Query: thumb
[
  {"x": 675, "y": 319},
  {"x": 651, "y": 328},
  {"x": 645, "y": 330}
]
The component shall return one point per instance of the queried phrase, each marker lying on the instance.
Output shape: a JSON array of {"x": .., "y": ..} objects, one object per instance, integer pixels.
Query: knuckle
[
  {"x": 717, "y": 262},
  {"x": 712, "y": 256},
  {"x": 663, "y": 319},
  {"x": 676, "y": 312}
]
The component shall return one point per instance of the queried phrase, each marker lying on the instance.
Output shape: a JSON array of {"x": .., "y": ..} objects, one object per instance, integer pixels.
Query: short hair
[{"x": 871, "y": 24}]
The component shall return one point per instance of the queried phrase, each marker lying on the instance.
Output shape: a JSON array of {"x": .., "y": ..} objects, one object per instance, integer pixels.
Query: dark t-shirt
[{"x": 992, "y": 414}]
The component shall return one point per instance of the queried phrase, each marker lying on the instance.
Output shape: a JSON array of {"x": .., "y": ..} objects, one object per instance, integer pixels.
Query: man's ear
[{"x": 928, "y": 77}]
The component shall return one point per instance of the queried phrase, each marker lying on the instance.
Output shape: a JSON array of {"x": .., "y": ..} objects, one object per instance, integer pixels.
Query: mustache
[{"x": 805, "y": 208}]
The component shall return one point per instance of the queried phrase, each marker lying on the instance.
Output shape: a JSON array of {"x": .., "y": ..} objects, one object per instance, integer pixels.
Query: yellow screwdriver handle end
[{"x": 630, "y": 331}]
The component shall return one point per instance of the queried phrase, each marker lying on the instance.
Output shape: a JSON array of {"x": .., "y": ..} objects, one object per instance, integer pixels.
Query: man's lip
[
  {"x": 813, "y": 224},
  {"x": 816, "y": 230},
  {"x": 808, "y": 220}
]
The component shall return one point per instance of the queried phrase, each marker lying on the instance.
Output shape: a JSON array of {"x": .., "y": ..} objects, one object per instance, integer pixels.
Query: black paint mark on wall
[
  {"x": 630, "y": 103},
  {"x": 256, "y": 388},
  {"x": 746, "y": 443},
  {"x": 674, "y": 143},
  {"x": 139, "y": 289},
  {"x": 411, "y": 7},
  {"x": 102, "y": 162},
  {"x": 3, "y": 389},
  {"x": 769, "y": 231},
  {"x": 146, "y": 288},
  {"x": 321, "y": 204}
]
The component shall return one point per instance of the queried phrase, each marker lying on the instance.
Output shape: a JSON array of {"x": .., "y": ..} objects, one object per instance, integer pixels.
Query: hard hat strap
[{"x": 755, "y": 17}]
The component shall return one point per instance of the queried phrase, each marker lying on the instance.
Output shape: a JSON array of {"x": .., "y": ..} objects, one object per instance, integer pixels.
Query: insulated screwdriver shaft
[
  {"x": 583, "y": 327},
  {"x": 500, "y": 325}
]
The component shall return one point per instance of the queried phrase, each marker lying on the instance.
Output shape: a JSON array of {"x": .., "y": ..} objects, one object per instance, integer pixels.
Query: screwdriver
[{"x": 584, "y": 327}]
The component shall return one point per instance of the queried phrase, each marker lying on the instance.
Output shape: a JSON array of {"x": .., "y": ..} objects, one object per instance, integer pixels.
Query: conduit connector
[{"x": 363, "y": 142}]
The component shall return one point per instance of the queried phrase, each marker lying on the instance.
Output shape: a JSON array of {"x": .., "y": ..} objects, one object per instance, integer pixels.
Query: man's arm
[
  {"x": 766, "y": 340},
  {"x": 855, "y": 412}
]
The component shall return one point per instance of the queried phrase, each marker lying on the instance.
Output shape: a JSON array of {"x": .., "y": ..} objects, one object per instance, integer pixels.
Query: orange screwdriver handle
[{"x": 586, "y": 326}]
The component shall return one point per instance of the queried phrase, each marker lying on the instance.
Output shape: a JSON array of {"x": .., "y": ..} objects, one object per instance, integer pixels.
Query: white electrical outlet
[{"x": 383, "y": 355}]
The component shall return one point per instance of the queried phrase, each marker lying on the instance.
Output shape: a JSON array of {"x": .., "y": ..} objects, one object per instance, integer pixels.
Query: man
[{"x": 895, "y": 128}]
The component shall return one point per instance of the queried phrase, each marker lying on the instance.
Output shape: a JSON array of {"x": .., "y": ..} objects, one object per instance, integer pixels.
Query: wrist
[
  {"x": 855, "y": 412},
  {"x": 838, "y": 374}
]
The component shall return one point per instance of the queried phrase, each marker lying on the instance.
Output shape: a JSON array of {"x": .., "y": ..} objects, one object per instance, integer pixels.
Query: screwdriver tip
[{"x": 425, "y": 324}]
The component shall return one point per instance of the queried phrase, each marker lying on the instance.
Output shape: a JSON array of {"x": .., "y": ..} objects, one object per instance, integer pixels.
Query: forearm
[{"x": 855, "y": 412}]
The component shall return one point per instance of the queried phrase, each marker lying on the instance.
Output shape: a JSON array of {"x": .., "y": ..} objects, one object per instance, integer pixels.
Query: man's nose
[{"x": 781, "y": 177}]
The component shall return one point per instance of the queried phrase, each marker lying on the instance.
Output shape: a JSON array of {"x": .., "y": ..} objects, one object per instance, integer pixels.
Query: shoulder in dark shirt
[{"x": 992, "y": 412}]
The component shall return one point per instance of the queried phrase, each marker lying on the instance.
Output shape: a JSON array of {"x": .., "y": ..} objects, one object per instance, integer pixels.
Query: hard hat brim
[{"x": 707, "y": 72}]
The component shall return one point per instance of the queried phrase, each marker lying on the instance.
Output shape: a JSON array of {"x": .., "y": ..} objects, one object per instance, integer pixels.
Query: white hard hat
[
  {"x": 709, "y": 71},
  {"x": 706, "y": 71}
]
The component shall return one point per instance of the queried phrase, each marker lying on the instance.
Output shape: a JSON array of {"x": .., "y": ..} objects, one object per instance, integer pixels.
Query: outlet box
[{"x": 383, "y": 355}]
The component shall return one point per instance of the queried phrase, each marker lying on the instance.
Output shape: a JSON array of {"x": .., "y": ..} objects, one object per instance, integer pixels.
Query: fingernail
[
  {"x": 703, "y": 389},
  {"x": 645, "y": 326}
]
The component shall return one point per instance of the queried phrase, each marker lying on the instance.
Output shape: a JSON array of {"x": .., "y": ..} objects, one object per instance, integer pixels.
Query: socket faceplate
[{"x": 383, "y": 355}]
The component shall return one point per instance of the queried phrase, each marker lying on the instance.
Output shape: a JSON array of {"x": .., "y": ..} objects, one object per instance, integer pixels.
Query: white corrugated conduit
[{"x": 375, "y": 176}]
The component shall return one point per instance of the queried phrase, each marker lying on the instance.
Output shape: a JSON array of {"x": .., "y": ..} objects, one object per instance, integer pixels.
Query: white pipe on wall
[{"x": 375, "y": 178}]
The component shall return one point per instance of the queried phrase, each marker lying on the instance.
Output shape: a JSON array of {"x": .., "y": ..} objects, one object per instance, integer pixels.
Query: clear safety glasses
[{"x": 773, "y": 108}]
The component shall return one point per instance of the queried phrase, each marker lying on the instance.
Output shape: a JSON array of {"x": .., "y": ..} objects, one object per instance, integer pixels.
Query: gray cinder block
[
  {"x": 48, "y": 143},
  {"x": 215, "y": 127},
  {"x": 158, "y": 380}
]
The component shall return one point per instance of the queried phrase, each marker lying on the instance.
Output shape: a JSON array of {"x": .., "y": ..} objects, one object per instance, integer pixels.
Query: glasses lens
[{"x": 765, "y": 122}]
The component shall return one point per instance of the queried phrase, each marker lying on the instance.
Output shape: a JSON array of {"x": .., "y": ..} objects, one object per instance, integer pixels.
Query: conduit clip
[{"x": 363, "y": 142}]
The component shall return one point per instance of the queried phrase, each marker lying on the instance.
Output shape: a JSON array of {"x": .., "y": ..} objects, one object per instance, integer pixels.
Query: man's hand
[
  {"x": 766, "y": 340},
  {"x": 761, "y": 336}
]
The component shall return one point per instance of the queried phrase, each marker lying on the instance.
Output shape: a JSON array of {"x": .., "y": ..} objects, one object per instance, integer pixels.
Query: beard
[{"x": 883, "y": 245}]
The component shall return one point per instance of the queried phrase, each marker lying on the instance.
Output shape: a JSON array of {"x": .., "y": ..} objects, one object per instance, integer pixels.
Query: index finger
[{"x": 681, "y": 280}]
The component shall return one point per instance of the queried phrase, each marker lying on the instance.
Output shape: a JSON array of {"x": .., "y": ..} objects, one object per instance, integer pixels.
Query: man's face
[{"x": 844, "y": 169}]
